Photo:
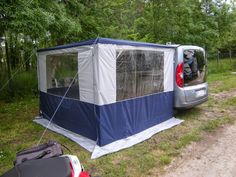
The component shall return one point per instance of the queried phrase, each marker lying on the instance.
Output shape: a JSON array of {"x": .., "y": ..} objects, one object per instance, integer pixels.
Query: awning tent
[{"x": 107, "y": 94}]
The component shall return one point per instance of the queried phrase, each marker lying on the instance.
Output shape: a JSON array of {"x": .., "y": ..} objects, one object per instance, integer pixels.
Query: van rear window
[{"x": 194, "y": 67}]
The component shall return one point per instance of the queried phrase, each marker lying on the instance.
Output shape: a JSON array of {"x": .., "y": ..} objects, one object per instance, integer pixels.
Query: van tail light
[{"x": 179, "y": 75}]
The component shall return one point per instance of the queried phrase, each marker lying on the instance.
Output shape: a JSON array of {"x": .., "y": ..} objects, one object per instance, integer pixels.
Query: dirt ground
[{"x": 215, "y": 156}]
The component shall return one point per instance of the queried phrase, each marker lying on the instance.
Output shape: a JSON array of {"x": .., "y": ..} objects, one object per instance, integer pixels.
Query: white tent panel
[
  {"x": 85, "y": 75},
  {"x": 106, "y": 74},
  {"x": 42, "y": 73},
  {"x": 107, "y": 70},
  {"x": 97, "y": 70},
  {"x": 85, "y": 70},
  {"x": 169, "y": 70}
]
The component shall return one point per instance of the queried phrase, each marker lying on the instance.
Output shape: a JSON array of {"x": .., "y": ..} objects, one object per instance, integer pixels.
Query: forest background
[{"x": 27, "y": 25}]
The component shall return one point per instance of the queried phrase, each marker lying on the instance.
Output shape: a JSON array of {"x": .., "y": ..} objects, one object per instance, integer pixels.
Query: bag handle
[
  {"x": 38, "y": 156},
  {"x": 67, "y": 148}
]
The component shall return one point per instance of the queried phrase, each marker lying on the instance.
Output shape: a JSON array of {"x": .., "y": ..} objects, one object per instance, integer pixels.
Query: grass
[
  {"x": 147, "y": 158},
  {"x": 231, "y": 101},
  {"x": 188, "y": 138},
  {"x": 222, "y": 66},
  {"x": 212, "y": 125},
  {"x": 165, "y": 159}
]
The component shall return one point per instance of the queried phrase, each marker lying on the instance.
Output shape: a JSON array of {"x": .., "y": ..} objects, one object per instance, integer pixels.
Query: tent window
[
  {"x": 61, "y": 69},
  {"x": 139, "y": 73}
]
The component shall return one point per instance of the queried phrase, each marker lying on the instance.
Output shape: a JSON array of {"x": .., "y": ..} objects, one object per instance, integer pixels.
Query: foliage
[
  {"x": 27, "y": 25},
  {"x": 25, "y": 84}
]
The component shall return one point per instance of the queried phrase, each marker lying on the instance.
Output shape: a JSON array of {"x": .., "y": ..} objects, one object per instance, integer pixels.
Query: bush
[{"x": 23, "y": 84}]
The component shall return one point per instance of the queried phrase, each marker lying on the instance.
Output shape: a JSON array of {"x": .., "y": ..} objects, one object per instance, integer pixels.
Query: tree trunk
[
  {"x": 10, "y": 89},
  {"x": 11, "y": 51},
  {"x": 1, "y": 57},
  {"x": 27, "y": 60},
  {"x": 27, "y": 52}
]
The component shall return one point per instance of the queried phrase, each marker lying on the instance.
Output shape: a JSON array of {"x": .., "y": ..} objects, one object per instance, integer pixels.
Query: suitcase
[
  {"x": 43, "y": 151},
  {"x": 51, "y": 167}
]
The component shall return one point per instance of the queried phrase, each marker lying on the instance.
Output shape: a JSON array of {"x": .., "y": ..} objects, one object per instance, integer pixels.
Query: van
[{"x": 190, "y": 86}]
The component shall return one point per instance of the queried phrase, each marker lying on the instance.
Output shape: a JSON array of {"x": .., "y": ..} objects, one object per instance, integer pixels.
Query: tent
[{"x": 106, "y": 94}]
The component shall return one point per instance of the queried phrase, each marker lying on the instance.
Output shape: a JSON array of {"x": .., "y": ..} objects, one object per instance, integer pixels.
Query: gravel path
[{"x": 214, "y": 157}]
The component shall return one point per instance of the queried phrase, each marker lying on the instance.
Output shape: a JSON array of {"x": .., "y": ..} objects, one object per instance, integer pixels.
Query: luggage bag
[
  {"x": 51, "y": 167},
  {"x": 46, "y": 150}
]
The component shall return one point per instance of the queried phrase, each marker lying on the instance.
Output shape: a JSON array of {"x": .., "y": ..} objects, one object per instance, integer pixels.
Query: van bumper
[{"x": 187, "y": 105}]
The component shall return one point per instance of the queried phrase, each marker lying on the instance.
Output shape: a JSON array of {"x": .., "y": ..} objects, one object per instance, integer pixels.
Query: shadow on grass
[{"x": 188, "y": 114}]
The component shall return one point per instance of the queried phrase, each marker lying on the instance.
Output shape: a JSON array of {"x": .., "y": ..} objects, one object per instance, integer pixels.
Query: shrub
[{"x": 23, "y": 84}]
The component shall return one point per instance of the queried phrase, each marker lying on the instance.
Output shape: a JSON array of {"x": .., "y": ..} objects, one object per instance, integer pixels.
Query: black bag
[
  {"x": 47, "y": 150},
  {"x": 51, "y": 167}
]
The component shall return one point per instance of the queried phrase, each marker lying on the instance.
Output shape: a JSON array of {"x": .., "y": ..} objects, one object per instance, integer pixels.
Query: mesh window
[
  {"x": 61, "y": 69},
  {"x": 139, "y": 73}
]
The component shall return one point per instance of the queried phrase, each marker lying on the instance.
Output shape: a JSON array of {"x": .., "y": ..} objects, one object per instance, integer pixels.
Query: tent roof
[{"x": 106, "y": 41}]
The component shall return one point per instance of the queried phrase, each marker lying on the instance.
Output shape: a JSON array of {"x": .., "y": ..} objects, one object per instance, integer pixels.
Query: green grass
[
  {"x": 164, "y": 146},
  {"x": 165, "y": 159},
  {"x": 231, "y": 101},
  {"x": 212, "y": 125},
  {"x": 188, "y": 138},
  {"x": 220, "y": 77},
  {"x": 224, "y": 65},
  {"x": 148, "y": 158}
]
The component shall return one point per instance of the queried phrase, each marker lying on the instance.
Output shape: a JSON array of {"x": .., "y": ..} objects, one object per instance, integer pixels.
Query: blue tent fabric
[
  {"x": 112, "y": 122},
  {"x": 106, "y": 41},
  {"x": 123, "y": 119},
  {"x": 74, "y": 115}
]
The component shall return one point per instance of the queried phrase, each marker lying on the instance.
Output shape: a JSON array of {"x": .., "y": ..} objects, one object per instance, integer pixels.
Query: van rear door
[
  {"x": 190, "y": 77},
  {"x": 194, "y": 71}
]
